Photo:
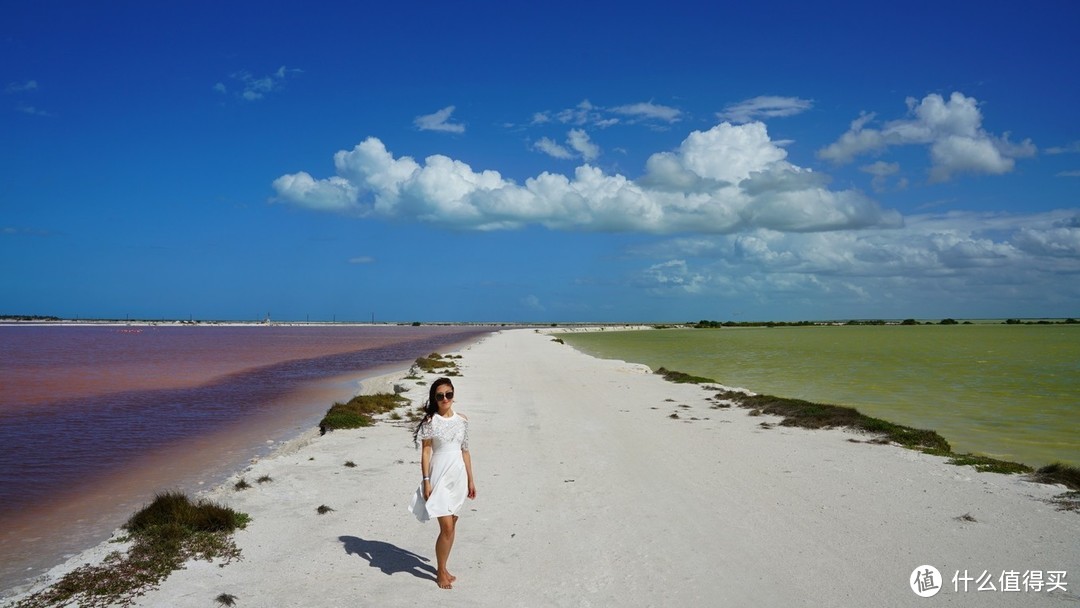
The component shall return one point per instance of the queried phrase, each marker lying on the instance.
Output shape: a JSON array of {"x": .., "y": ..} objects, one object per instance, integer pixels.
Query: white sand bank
[{"x": 589, "y": 494}]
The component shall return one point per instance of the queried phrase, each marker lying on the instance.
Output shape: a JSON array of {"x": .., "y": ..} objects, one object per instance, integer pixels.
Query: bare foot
[{"x": 446, "y": 582}]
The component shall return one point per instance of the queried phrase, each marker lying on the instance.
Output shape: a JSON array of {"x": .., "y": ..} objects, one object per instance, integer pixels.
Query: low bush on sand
[
  {"x": 359, "y": 411},
  {"x": 436, "y": 363},
  {"x": 164, "y": 534},
  {"x": 1064, "y": 474}
]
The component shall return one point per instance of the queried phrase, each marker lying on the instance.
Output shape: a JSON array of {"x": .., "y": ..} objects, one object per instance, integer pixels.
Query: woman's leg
[{"x": 445, "y": 542}]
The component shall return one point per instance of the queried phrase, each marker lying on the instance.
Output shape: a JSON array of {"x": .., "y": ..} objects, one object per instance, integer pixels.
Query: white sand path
[{"x": 589, "y": 494}]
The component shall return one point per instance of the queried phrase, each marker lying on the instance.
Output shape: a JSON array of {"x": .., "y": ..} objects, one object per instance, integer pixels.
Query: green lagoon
[{"x": 1006, "y": 391}]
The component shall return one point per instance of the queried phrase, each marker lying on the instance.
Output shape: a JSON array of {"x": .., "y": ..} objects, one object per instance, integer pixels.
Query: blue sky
[{"x": 546, "y": 162}]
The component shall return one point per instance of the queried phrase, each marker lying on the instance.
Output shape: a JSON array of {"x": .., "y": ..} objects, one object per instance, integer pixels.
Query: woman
[{"x": 446, "y": 468}]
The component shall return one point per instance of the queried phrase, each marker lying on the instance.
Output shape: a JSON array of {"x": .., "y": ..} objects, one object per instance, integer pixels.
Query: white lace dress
[{"x": 449, "y": 481}]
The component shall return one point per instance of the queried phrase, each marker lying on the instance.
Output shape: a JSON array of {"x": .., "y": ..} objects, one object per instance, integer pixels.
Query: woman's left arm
[
  {"x": 467, "y": 457},
  {"x": 468, "y": 471}
]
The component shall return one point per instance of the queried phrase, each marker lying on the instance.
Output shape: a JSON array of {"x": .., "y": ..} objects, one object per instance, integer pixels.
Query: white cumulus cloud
[
  {"x": 727, "y": 179},
  {"x": 952, "y": 129}
]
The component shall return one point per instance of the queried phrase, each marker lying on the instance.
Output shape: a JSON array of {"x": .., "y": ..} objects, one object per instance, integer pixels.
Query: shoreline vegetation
[{"x": 809, "y": 415}]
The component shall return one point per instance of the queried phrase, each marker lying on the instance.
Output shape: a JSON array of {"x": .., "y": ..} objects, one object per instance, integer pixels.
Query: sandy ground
[{"x": 590, "y": 494}]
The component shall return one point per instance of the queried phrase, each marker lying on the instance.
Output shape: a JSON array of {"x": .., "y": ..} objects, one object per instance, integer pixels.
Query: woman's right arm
[{"x": 425, "y": 467}]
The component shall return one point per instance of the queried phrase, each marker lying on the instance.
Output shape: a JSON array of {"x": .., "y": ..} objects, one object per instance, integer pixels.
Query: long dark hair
[{"x": 432, "y": 406}]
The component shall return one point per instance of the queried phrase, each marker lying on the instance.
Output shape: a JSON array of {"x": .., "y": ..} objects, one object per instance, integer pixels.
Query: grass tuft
[
  {"x": 350, "y": 464},
  {"x": 226, "y": 599},
  {"x": 682, "y": 378},
  {"x": 241, "y": 485},
  {"x": 264, "y": 479},
  {"x": 989, "y": 465},
  {"x": 1068, "y": 476},
  {"x": 435, "y": 363},
  {"x": 164, "y": 534},
  {"x": 323, "y": 509},
  {"x": 358, "y": 411}
]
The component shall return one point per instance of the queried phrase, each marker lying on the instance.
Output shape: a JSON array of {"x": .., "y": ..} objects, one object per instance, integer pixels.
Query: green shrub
[
  {"x": 174, "y": 508},
  {"x": 434, "y": 363},
  {"x": 359, "y": 410},
  {"x": 164, "y": 534}
]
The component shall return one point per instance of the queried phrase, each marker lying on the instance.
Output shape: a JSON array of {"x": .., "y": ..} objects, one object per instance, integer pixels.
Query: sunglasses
[{"x": 447, "y": 396}]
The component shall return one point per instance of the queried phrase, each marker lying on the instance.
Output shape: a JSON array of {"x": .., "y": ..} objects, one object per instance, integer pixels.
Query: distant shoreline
[{"x": 40, "y": 320}]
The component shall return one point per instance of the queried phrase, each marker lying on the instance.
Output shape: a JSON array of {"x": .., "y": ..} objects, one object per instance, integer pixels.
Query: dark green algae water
[{"x": 1005, "y": 391}]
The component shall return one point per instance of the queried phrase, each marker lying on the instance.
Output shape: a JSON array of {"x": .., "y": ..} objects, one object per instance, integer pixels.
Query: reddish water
[{"x": 95, "y": 420}]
